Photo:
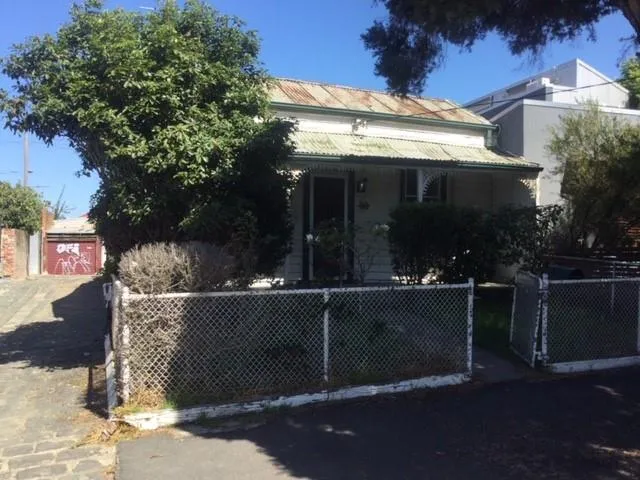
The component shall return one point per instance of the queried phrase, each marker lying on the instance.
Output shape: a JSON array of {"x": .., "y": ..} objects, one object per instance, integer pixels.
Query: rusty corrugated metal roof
[
  {"x": 349, "y": 145},
  {"x": 299, "y": 92}
]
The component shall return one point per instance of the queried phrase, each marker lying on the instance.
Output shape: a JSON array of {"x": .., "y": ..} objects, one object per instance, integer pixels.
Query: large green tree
[
  {"x": 412, "y": 41},
  {"x": 630, "y": 79},
  {"x": 170, "y": 109},
  {"x": 20, "y": 207},
  {"x": 597, "y": 156}
]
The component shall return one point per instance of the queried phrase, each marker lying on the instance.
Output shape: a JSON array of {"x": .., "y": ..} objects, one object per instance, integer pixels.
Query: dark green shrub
[
  {"x": 526, "y": 234},
  {"x": 447, "y": 243},
  {"x": 442, "y": 242}
]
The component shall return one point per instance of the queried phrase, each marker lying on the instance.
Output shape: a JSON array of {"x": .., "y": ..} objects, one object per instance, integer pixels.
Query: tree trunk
[{"x": 631, "y": 10}]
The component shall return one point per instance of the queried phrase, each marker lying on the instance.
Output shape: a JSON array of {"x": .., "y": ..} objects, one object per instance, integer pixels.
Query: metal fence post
[
  {"x": 470, "y": 297},
  {"x": 124, "y": 347},
  {"x": 613, "y": 288},
  {"x": 544, "y": 314},
  {"x": 326, "y": 335},
  {"x": 513, "y": 309}
]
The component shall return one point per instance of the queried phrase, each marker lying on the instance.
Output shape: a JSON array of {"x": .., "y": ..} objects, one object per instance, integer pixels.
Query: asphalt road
[{"x": 585, "y": 427}]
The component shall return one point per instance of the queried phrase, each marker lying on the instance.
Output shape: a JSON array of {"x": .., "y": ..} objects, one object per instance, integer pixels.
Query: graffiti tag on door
[{"x": 71, "y": 260}]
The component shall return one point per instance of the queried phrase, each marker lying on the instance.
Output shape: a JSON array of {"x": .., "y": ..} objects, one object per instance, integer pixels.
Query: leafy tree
[
  {"x": 597, "y": 156},
  {"x": 630, "y": 79},
  {"x": 412, "y": 42},
  {"x": 525, "y": 235},
  {"x": 20, "y": 207},
  {"x": 170, "y": 109}
]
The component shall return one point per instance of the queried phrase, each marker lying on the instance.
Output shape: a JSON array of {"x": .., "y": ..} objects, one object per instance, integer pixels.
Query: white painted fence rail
[{"x": 240, "y": 351}]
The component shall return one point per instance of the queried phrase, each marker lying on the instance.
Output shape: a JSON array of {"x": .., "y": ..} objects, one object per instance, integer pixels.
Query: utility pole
[{"x": 25, "y": 159}]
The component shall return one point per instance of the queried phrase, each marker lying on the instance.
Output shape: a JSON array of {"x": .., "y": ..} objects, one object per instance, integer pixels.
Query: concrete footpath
[
  {"x": 585, "y": 427},
  {"x": 51, "y": 380}
]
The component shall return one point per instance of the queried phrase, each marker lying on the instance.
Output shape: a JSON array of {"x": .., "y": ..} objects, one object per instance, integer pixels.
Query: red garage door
[{"x": 66, "y": 257}]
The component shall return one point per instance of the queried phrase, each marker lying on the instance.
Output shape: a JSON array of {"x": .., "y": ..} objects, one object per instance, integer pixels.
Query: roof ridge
[{"x": 362, "y": 89}]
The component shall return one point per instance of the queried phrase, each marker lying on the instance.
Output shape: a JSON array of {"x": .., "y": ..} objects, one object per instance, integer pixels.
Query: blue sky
[{"x": 311, "y": 40}]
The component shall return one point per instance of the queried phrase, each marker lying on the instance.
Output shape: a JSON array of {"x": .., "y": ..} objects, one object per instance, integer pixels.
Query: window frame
[{"x": 406, "y": 180}]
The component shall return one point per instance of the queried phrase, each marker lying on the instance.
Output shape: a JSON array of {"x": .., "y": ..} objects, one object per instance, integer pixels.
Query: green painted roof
[{"x": 347, "y": 146}]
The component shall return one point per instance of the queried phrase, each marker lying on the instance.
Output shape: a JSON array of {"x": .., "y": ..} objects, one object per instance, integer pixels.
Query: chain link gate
[
  {"x": 591, "y": 324},
  {"x": 525, "y": 316},
  {"x": 576, "y": 325}
]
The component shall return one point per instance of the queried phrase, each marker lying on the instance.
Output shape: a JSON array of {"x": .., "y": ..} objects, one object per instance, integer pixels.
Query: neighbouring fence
[
  {"x": 598, "y": 267},
  {"x": 194, "y": 348},
  {"x": 575, "y": 325}
]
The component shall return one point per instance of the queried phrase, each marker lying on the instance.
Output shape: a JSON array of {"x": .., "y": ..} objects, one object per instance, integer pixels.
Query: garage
[{"x": 73, "y": 248}]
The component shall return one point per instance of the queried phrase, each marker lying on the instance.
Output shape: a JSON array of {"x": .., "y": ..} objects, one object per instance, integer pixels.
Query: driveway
[
  {"x": 584, "y": 427},
  {"x": 51, "y": 379}
]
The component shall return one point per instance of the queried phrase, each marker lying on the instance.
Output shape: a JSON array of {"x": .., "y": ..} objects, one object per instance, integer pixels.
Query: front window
[{"x": 435, "y": 191}]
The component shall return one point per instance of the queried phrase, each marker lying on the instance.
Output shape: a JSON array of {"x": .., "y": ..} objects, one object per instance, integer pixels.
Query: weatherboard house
[{"x": 359, "y": 153}]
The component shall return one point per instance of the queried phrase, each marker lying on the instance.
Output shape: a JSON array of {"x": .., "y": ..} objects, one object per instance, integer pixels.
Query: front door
[{"x": 328, "y": 208}]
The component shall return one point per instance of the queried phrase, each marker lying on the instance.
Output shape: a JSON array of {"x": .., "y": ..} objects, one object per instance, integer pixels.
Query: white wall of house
[{"x": 312, "y": 122}]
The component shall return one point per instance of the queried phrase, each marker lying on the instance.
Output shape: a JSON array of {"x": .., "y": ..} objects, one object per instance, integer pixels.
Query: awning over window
[{"x": 350, "y": 148}]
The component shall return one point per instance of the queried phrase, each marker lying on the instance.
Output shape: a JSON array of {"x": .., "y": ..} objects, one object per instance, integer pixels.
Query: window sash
[{"x": 409, "y": 187}]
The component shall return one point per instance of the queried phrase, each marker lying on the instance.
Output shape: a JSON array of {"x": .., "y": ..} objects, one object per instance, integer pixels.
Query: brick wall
[
  {"x": 7, "y": 252},
  {"x": 13, "y": 253}
]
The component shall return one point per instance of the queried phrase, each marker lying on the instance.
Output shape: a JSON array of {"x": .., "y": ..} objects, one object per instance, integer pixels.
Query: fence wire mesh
[
  {"x": 592, "y": 320},
  {"x": 384, "y": 335},
  {"x": 224, "y": 347},
  {"x": 525, "y": 316}
]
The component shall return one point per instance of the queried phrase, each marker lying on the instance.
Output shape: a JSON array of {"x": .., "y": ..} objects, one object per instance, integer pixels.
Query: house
[
  {"x": 526, "y": 111},
  {"x": 359, "y": 153},
  {"x": 73, "y": 248}
]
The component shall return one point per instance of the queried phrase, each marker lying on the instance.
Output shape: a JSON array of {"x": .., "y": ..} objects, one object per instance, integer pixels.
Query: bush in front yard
[
  {"x": 176, "y": 267},
  {"x": 443, "y": 242}
]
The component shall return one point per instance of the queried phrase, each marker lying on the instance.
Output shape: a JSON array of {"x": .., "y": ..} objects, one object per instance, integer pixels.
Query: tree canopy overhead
[
  {"x": 412, "y": 42},
  {"x": 163, "y": 106}
]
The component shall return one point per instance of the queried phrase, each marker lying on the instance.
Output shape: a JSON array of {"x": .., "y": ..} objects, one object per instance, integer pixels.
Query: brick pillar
[{"x": 8, "y": 252}]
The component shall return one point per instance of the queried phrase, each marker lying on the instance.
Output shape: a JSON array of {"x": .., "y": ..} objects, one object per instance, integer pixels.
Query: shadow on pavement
[
  {"x": 72, "y": 339},
  {"x": 586, "y": 427}
]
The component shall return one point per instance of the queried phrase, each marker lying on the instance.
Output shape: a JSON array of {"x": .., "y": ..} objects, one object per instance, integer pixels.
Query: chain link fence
[
  {"x": 576, "y": 325},
  {"x": 589, "y": 320},
  {"x": 241, "y": 346}
]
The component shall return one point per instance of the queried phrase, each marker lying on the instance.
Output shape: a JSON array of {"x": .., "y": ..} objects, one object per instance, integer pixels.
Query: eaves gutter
[
  {"x": 411, "y": 163},
  {"x": 380, "y": 116}
]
